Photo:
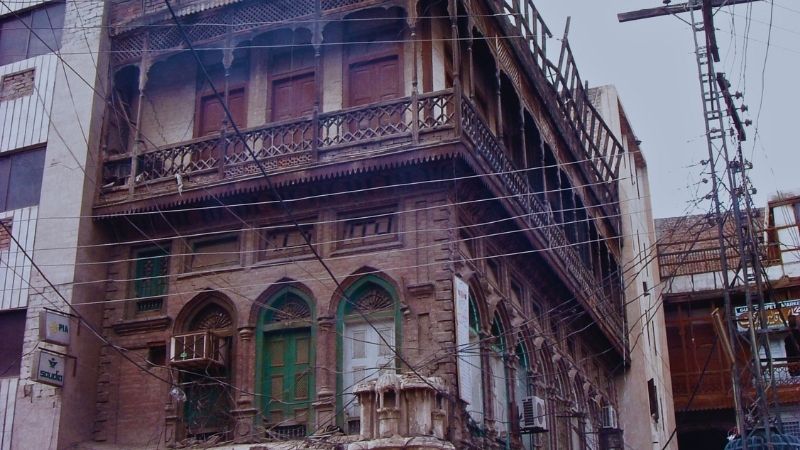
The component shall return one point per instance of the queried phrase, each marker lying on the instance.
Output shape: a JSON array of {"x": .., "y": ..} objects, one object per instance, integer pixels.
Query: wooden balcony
[{"x": 365, "y": 134}]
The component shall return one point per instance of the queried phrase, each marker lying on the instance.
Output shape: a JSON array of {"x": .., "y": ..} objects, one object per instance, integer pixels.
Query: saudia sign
[{"x": 49, "y": 368}]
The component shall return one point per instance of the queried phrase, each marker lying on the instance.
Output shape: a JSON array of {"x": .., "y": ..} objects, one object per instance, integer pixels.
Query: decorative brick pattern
[
  {"x": 17, "y": 85},
  {"x": 5, "y": 237}
]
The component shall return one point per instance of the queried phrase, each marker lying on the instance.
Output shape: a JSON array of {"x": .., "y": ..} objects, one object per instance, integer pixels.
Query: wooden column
[
  {"x": 325, "y": 403},
  {"x": 412, "y": 23},
  {"x": 470, "y": 43},
  {"x": 452, "y": 8},
  {"x": 226, "y": 126},
  {"x": 138, "y": 144},
  {"x": 246, "y": 410},
  {"x": 316, "y": 41},
  {"x": 499, "y": 96}
]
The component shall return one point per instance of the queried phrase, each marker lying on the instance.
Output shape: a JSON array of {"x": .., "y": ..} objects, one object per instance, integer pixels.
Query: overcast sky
[{"x": 652, "y": 64}]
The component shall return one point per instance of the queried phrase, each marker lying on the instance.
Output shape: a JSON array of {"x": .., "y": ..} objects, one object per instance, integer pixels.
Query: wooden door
[
  {"x": 211, "y": 113},
  {"x": 292, "y": 97},
  {"x": 366, "y": 357},
  {"x": 374, "y": 81},
  {"x": 210, "y": 116},
  {"x": 287, "y": 383}
]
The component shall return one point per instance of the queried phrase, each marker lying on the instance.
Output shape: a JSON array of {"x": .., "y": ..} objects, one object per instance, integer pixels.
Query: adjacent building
[
  {"x": 357, "y": 223},
  {"x": 49, "y": 58},
  {"x": 689, "y": 261}
]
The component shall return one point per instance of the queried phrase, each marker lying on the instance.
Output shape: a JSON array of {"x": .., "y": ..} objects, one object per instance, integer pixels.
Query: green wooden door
[{"x": 287, "y": 382}]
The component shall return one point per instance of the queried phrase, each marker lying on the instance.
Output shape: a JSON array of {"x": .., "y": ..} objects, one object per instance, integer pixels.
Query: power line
[{"x": 320, "y": 259}]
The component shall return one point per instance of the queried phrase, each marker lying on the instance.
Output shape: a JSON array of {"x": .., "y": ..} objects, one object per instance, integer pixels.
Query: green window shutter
[{"x": 151, "y": 270}]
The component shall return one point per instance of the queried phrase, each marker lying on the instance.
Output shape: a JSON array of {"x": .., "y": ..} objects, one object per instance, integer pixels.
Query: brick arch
[
  {"x": 349, "y": 284},
  {"x": 276, "y": 288},
  {"x": 196, "y": 305},
  {"x": 478, "y": 298}
]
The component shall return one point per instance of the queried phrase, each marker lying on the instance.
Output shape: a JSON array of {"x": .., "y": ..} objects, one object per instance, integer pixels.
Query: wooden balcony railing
[
  {"x": 581, "y": 124},
  {"x": 694, "y": 261},
  {"x": 540, "y": 217},
  {"x": 285, "y": 145}
]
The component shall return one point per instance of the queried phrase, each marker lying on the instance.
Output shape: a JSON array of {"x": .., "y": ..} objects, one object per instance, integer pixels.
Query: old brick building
[
  {"x": 46, "y": 202},
  {"x": 485, "y": 217}
]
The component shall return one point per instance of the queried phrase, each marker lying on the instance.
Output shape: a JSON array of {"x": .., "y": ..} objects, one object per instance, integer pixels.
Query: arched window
[
  {"x": 368, "y": 326},
  {"x": 206, "y": 375},
  {"x": 285, "y": 369},
  {"x": 497, "y": 363},
  {"x": 578, "y": 420},
  {"x": 523, "y": 388},
  {"x": 474, "y": 366}
]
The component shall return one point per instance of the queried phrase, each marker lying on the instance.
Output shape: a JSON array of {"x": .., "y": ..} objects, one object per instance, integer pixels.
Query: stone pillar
[
  {"x": 325, "y": 406},
  {"x": 172, "y": 432},
  {"x": 246, "y": 410}
]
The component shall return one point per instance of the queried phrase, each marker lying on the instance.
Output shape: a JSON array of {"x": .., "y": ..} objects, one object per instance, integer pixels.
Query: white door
[
  {"x": 499, "y": 392},
  {"x": 366, "y": 357}
]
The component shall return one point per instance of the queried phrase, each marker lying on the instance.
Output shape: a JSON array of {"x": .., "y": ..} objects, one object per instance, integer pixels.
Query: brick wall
[
  {"x": 5, "y": 238},
  {"x": 17, "y": 85}
]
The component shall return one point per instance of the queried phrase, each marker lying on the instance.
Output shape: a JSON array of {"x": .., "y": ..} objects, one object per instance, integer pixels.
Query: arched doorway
[
  {"x": 206, "y": 376},
  {"x": 368, "y": 328},
  {"x": 286, "y": 363}
]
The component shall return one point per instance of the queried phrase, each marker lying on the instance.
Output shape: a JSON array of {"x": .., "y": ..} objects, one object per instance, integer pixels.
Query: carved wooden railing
[
  {"x": 294, "y": 143},
  {"x": 601, "y": 152},
  {"x": 691, "y": 261},
  {"x": 540, "y": 216}
]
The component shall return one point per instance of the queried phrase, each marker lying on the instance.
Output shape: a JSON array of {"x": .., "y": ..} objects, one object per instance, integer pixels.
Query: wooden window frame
[
  {"x": 264, "y": 254},
  {"x": 500, "y": 275},
  {"x": 189, "y": 270},
  {"x": 372, "y": 242},
  {"x": 133, "y": 309}
]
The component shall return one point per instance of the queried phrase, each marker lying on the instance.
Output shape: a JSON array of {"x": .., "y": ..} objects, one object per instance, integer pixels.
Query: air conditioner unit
[
  {"x": 200, "y": 349},
  {"x": 610, "y": 417},
  {"x": 533, "y": 415}
]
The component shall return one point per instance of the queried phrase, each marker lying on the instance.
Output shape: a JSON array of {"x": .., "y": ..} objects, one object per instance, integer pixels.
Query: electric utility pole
[{"x": 715, "y": 92}]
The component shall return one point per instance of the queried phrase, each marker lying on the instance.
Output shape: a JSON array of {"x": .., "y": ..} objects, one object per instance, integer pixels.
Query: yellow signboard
[{"x": 777, "y": 315}]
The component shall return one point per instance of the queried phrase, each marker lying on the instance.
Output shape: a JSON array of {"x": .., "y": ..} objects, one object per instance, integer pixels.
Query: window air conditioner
[
  {"x": 610, "y": 417},
  {"x": 201, "y": 349},
  {"x": 533, "y": 415}
]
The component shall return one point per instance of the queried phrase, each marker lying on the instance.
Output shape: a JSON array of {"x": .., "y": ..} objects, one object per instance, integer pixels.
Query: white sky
[{"x": 652, "y": 64}]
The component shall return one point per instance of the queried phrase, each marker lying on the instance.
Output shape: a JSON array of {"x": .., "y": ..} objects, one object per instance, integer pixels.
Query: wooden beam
[{"x": 675, "y": 9}]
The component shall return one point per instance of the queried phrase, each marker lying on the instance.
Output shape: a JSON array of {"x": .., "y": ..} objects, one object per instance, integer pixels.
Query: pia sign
[{"x": 54, "y": 327}]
